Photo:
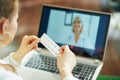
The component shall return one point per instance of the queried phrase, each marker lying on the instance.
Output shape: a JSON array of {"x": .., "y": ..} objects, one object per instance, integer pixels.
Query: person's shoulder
[{"x": 70, "y": 78}]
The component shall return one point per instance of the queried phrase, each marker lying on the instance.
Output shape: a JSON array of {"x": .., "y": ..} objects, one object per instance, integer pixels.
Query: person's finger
[
  {"x": 36, "y": 46},
  {"x": 25, "y": 36},
  {"x": 33, "y": 44},
  {"x": 64, "y": 48},
  {"x": 60, "y": 53},
  {"x": 29, "y": 39},
  {"x": 61, "y": 50},
  {"x": 33, "y": 37}
]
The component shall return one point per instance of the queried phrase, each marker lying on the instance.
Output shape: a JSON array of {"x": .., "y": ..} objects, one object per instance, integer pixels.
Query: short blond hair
[{"x": 77, "y": 19}]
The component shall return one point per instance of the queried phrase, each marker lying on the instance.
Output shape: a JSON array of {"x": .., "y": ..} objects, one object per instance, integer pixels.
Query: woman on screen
[{"x": 77, "y": 28}]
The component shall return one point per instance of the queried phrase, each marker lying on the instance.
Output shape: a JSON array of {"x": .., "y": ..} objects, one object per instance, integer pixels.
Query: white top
[
  {"x": 71, "y": 41},
  {"x": 7, "y": 75}
]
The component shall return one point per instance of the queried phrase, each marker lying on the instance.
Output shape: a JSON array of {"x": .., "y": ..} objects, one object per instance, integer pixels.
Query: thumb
[{"x": 66, "y": 48}]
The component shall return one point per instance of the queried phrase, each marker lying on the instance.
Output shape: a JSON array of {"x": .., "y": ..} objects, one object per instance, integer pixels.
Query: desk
[{"x": 112, "y": 62}]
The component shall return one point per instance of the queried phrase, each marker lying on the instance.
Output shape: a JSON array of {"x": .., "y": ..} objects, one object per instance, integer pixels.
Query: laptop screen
[{"x": 85, "y": 32}]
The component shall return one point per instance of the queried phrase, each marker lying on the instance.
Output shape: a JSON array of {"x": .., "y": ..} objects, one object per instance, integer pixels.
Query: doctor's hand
[
  {"x": 66, "y": 61},
  {"x": 28, "y": 43}
]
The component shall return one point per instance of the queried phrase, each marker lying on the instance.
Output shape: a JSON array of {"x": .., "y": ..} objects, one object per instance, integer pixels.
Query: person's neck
[{"x": 77, "y": 35}]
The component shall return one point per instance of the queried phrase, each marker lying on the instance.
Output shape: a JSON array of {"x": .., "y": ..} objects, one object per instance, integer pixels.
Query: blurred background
[{"x": 30, "y": 11}]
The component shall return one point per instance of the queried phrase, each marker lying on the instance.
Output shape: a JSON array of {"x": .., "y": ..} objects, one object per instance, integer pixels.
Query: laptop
[{"x": 59, "y": 24}]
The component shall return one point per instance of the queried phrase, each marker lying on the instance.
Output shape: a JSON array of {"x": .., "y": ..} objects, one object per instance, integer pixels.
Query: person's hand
[
  {"x": 66, "y": 61},
  {"x": 28, "y": 43}
]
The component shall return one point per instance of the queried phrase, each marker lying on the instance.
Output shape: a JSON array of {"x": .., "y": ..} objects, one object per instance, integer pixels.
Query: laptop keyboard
[{"x": 41, "y": 62}]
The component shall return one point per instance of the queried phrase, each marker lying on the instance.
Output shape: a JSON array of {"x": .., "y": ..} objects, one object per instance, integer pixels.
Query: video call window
[
  {"x": 84, "y": 31},
  {"x": 73, "y": 28}
]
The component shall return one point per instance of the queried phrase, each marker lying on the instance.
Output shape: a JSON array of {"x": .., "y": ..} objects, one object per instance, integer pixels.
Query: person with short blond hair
[{"x": 76, "y": 37}]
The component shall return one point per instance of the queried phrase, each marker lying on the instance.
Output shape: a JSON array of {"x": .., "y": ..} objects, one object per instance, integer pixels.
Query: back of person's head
[
  {"x": 7, "y": 7},
  {"x": 8, "y": 21}
]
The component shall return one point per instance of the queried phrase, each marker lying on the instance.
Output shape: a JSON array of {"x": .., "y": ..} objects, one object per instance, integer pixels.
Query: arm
[{"x": 66, "y": 61}]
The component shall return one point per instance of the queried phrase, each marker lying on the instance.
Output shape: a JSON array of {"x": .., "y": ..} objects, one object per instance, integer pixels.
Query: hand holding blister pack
[{"x": 50, "y": 44}]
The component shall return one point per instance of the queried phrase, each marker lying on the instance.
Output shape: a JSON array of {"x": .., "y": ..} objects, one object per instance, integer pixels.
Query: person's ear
[
  {"x": 5, "y": 26},
  {"x": 5, "y": 36}
]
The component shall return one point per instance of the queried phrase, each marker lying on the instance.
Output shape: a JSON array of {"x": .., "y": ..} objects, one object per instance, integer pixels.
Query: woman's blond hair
[{"x": 77, "y": 19}]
